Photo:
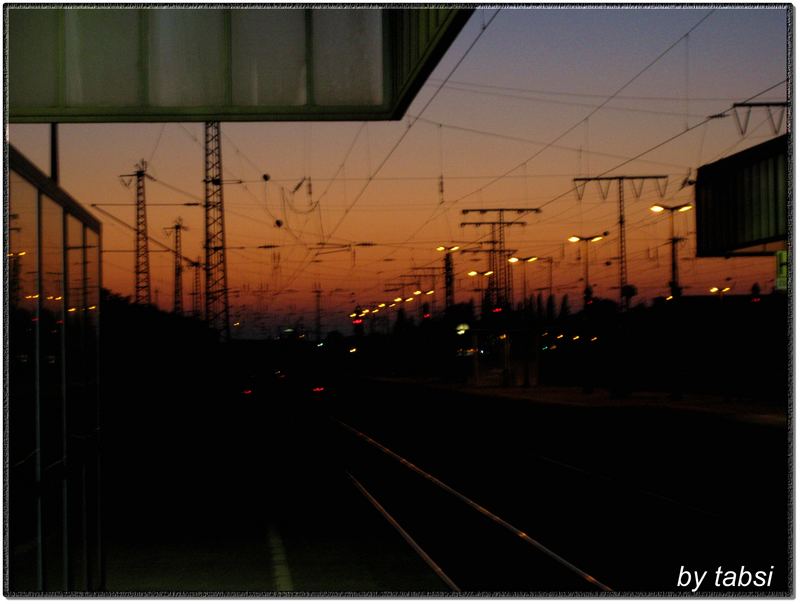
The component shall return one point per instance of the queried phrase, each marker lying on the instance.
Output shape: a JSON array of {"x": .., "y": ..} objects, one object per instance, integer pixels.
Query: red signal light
[
  {"x": 498, "y": 309},
  {"x": 247, "y": 392},
  {"x": 358, "y": 321},
  {"x": 427, "y": 315},
  {"x": 318, "y": 389}
]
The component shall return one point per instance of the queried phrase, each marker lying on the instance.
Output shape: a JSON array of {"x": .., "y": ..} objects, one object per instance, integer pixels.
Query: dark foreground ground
[{"x": 256, "y": 491}]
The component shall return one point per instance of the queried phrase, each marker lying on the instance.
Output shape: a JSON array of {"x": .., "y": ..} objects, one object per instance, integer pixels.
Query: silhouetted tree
[
  {"x": 565, "y": 311},
  {"x": 551, "y": 307},
  {"x": 401, "y": 323}
]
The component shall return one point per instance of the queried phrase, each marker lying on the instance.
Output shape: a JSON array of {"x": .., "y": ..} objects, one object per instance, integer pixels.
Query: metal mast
[
  {"x": 177, "y": 296},
  {"x": 500, "y": 290},
  {"x": 318, "y": 317},
  {"x": 431, "y": 273},
  {"x": 142, "y": 260},
  {"x": 217, "y": 307},
  {"x": 626, "y": 291},
  {"x": 449, "y": 289},
  {"x": 196, "y": 313}
]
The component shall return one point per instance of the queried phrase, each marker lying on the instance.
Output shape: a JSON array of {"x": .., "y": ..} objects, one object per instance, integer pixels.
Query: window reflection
[
  {"x": 53, "y": 273},
  {"x": 51, "y": 385},
  {"x": 21, "y": 256}
]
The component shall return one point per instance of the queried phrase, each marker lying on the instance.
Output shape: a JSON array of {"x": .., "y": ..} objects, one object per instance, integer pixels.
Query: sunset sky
[{"x": 535, "y": 77}]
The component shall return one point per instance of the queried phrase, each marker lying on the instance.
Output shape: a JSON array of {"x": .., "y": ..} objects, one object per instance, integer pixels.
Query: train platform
[
  {"x": 732, "y": 408},
  {"x": 270, "y": 511},
  {"x": 325, "y": 555}
]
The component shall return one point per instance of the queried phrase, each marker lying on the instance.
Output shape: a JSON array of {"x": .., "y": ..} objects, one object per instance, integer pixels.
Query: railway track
[
  {"x": 452, "y": 535},
  {"x": 536, "y": 524}
]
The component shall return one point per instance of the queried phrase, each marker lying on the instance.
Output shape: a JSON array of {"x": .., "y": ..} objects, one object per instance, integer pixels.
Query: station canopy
[
  {"x": 742, "y": 202},
  {"x": 108, "y": 64}
]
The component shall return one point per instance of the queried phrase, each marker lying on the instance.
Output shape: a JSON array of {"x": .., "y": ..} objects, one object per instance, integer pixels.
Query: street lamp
[
  {"x": 525, "y": 260},
  {"x": 674, "y": 286},
  {"x": 587, "y": 291}
]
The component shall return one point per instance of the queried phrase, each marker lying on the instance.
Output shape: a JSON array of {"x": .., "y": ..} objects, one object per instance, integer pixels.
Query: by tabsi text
[{"x": 694, "y": 579}]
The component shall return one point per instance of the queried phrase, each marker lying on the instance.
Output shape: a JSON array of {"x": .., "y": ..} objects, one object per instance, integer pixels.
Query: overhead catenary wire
[
  {"x": 415, "y": 119},
  {"x": 570, "y": 103},
  {"x": 578, "y": 123},
  {"x": 638, "y": 156},
  {"x": 434, "y": 81},
  {"x": 406, "y": 131},
  {"x": 550, "y": 218}
]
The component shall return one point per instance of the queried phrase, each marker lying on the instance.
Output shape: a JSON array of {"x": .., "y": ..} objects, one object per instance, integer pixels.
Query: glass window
[
  {"x": 348, "y": 57},
  {"x": 76, "y": 302},
  {"x": 91, "y": 322},
  {"x": 23, "y": 316},
  {"x": 51, "y": 329},
  {"x": 23, "y": 313},
  {"x": 92, "y": 394},
  {"x": 53, "y": 272},
  {"x": 102, "y": 56},
  {"x": 186, "y": 57},
  {"x": 268, "y": 57},
  {"x": 76, "y": 390},
  {"x": 51, "y": 384},
  {"x": 32, "y": 49}
]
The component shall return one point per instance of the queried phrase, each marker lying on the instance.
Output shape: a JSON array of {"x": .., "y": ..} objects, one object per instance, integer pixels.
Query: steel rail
[
  {"x": 409, "y": 539},
  {"x": 479, "y": 508}
]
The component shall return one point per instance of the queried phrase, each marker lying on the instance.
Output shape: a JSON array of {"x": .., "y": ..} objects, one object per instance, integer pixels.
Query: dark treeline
[
  {"x": 158, "y": 380},
  {"x": 185, "y": 423},
  {"x": 735, "y": 346}
]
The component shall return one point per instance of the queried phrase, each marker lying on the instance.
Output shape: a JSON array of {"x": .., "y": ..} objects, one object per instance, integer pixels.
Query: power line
[
  {"x": 571, "y": 128},
  {"x": 568, "y": 103},
  {"x": 414, "y": 121},
  {"x": 432, "y": 81},
  {"x": 406, "y": 131},
  {"x": 531, "y": 141},
  {"x": 604, "y": 103},
  {"x": 158, "y": 140}
]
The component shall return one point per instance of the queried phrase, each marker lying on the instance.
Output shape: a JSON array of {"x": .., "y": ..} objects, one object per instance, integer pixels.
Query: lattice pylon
[
  {"x": 217, "y": 306},
  {"x": 142, "y": 260}
]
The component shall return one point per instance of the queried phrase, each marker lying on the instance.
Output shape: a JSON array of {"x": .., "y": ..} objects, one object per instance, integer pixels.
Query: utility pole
[
  {"x": 141, "y": 262},
  {"x": 626, "y": 291},
  {"x": 432, "y": 273},
  {"x": 318, "y": 322},
  {"x": 217, "y": 306},
  {"x": 177, "y": 296},
  {"x": 500, "y": 291},
  {"x": 196, "y": 313},
  {"x": 449, "y": 282},
  {"x": 675, "y": 289},
  {"x": 549, "y": 261},
  {"x": 141, "y": 269},
  {"x": 587, "y": 285}
]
